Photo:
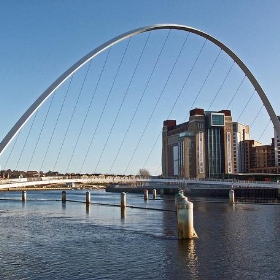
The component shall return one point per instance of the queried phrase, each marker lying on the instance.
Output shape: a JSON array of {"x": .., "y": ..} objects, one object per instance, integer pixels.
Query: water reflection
[
  {"x": 123, "y": 213},
  {"x": 187, "y": 252},
  {"x": 236, "y": 241},
  {"x": 87, "y": 208}
]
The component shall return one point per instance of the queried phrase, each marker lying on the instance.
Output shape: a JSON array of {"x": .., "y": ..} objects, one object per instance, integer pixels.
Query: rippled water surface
[{"x": 45, "y": 239}]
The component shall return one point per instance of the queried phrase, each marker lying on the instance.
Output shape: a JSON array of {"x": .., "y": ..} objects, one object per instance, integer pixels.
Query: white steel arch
[{"x": 44, "y": 96}]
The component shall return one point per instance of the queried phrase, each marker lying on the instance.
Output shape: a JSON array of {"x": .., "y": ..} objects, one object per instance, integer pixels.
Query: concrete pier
[
  {"x": 63, "y": 196},
  {"x": 23, "y": 196},
  {"x": 154, "y": 194},
  {"x": 231, "y": 197},
  {"x": 146, "y": 194},
  {"x": 123, "y": 200},
  {"x": 87, "y": 197},
  {"x": 185, "y": 220}
]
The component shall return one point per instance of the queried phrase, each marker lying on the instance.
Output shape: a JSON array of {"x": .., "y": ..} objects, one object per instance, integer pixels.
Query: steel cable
[
  {"x": 205, "y": 80},
  {"x": 236, "y": 91},
  {"x": 187, "y": 79},
  {"x": 164, "y": 87},
  {"x": 221, "y": 86},
  {"x": 143, "y": 93},
  {"x": 246, "y": 105},
  {"x": 42, "y": 128},
  {"x": 24, "y": 145},
  {"x": 12, "y": 149},
  {"x": 264, "y": 130},
  {"x": 256, "y": 116},
  {"x": 71, "y": 118},
  {"x": 118, "y": 112},
  {"x": 91, "y": 101},
  {"x": 56, "y": 122},
  {"x": 128, "y": 87},
  {"x": 182, "y": 89}
]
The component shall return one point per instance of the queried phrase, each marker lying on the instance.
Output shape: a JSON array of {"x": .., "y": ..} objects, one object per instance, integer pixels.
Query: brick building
[{"x": 199, "y": 148}]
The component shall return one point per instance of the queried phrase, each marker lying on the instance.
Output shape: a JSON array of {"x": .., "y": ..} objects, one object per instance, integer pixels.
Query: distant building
[
  {"x": 199, "y": 148},
  {"x": 249, "y": 154},
  {"x": 32, "y": 173},
  {"x": 259, "y": 158},
  {"x": 241, "y": 133},
  {"x": 277, "y": 146}
]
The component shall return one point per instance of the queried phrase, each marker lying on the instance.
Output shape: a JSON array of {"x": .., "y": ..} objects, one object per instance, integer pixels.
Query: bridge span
[{"x": 166, "y": 183}]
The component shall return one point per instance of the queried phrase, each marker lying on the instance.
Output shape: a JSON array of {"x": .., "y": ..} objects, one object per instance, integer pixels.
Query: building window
[{"x": 217, "y": 119}]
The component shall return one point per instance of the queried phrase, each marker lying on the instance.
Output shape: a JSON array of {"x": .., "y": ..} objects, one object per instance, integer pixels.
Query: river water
[{"x": 45, "y": 239}]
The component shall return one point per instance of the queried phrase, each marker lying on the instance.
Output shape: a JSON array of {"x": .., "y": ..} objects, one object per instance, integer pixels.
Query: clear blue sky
[{"x": 39, "y": 40}]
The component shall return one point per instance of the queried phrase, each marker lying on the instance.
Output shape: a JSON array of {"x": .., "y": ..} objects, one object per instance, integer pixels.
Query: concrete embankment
[
  {"x": 239, "y": 192},
  {"x": 200, "y": 191}
]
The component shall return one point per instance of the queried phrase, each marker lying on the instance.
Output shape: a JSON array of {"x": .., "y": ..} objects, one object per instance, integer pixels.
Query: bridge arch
[{"x": 49, "y": 91}]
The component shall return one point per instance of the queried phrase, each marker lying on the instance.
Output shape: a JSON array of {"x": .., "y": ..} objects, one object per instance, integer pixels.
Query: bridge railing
[{"x": 131, "y": 180}]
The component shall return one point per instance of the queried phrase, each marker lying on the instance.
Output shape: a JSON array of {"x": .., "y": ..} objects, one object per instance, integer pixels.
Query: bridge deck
[{"x": 164, "y": 183}]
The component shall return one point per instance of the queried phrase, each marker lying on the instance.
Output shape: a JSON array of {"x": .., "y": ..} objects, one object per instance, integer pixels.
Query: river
[{"x": 46, "y": 239}]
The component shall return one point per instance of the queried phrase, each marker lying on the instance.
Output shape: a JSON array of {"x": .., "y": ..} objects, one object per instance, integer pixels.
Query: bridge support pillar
[
  {"x": 23, "y": 196},
  {"x": 123, "y": 200},
  {"x": 178, "y": 198},
  {"x": 185, "y": 220},
  {"x": 87, "y": 197},
  {"x": 63, "y": 196},
  {"x": 154, "y": 194},
  {"x": 123, "y": 205},
  {"x": 146, "y": 194},
  {"x": 231, "y": 197},
  {"x": 87, "y": 208}
]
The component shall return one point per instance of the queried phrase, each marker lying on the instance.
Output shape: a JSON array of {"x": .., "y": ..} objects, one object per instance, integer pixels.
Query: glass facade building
[{"x": 214, "y": 151}]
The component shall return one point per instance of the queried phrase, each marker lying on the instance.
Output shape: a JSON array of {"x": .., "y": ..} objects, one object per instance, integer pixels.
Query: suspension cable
[
  {"x": 110, "y": 132},
  {"x": 182, "y": 89},
  {"x": 145, "y": 89},
  {"x": 164, "y": 87},
  {"x": 221, "y": 85},
  {"x": 128, "y": 87},
  {"x": 246, "y": 105},
  {"x": 24, "y": 145},
  {"x": 151, "y": 151},
  {"x": 236, "y": 91},
  {"x": 91, "y": 101},
  {"x": 103, "y": 106},
  {"x": 79, "y": 134},
  {"x": 256, "y": 116},
  {"x": 187, "y": 79},
  {"x": 264, "y": 130},
  {"x": 101, "y": 115},
  {"x": 206, "y": 78},
  {"x": 12, "y": 149},
  {"x": 42, "y": 128},
  {"x": 72, "y": 115},
  {"x": 57, "y": 119}
]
